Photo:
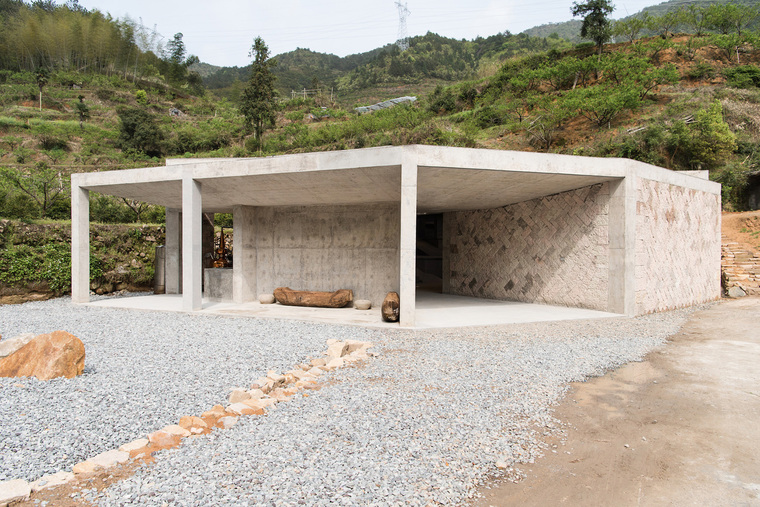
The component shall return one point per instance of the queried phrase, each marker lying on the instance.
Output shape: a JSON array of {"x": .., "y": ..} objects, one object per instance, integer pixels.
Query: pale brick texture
[
  {"x": 677, "y": 246},
  {"x": 551, "y": 250}
]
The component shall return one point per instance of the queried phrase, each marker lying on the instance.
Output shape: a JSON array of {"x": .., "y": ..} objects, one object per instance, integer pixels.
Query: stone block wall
[
  {"x": 677, "y": 246},
  {"x": 551, "y": 250},
  {"x": 329, "y": 248}
]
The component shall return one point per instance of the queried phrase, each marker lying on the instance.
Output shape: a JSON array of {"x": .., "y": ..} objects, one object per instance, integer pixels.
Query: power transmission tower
[{"x": 403, "y": 36}]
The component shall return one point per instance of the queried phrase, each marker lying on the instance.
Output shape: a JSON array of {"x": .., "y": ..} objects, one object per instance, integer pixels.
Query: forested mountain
[{"x": 429, "y": 56}]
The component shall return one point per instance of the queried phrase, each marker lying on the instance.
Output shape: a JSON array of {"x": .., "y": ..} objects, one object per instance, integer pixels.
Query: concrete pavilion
[{"x": 612, "y": 235}]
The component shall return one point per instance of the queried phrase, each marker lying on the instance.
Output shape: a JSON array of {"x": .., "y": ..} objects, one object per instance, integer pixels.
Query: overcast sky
[{"x": 221, "y": 32}]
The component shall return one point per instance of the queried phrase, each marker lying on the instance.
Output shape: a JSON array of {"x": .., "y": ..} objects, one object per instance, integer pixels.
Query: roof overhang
[{"x": 448, "y": 179}]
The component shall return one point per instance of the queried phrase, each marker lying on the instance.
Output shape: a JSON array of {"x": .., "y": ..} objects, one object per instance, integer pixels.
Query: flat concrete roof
[
  {"x": 433, "y": 311},
  {"x": 448, "y": 179}
]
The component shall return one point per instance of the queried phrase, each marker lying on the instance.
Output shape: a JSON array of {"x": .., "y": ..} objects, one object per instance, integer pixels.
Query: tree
[
  {"x": 43, "y": 184},
  {"x": 258, "y": 101},
  {"x": 138, "y": 132},
  {"x": 631, "y": 27},
  {"x": 82, "y": 111},
  {"x": 665, "y": 24},
  {"x": 596, "y": 25},
  {"x": 41, "y": 76},
  {"x": 178, "y": 64}
]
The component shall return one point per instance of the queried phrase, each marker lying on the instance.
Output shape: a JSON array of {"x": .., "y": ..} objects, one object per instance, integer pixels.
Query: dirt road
[{"x": 680, "y": 428}]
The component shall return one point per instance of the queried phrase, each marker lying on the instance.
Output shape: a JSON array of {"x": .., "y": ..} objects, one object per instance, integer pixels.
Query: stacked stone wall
[
  {"x": 551, "y": 250},
  {"x": 677, "y": 246}
]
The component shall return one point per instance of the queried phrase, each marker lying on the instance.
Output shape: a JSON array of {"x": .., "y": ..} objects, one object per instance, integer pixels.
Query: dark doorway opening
[{"x": 430, "y": 252}]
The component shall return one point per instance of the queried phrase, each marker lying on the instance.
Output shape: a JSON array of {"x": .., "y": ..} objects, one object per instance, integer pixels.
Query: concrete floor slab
[{"x": 433, "y": 311}]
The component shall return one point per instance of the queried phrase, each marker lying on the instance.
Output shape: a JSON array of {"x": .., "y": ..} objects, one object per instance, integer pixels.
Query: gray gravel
[{"x": 424, "y": 422}]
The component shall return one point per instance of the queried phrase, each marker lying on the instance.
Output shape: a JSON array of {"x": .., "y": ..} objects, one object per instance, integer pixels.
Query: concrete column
[
  {"x": 244, "y": 274},
  {"x": 408, "y": 242},
  {"x": 173, "y": 251},
  {"x": 622, "y": 240},
  {"x": 80, "y": 244},
  {"x": 446, "y": 254},
  {"x": 192, "y": 227}
]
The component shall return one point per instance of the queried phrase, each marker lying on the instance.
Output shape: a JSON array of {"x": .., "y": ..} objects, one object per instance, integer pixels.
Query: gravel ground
[{"x": 424, "y": 422}]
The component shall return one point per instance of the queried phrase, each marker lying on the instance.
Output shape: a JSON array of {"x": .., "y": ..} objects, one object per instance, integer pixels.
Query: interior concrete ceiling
[{"x": 438, "y": 190}]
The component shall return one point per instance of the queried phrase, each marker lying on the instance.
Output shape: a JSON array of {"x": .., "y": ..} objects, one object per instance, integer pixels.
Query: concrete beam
[
  {"x": 244, "y": 274},
  {"x": 80, "y": 245},
  {"x": 622, "y": 246},
  {"x": 408, "y": 242},
  {"x": 192, "y": 227},
  {"x": 173, "y": 251}
]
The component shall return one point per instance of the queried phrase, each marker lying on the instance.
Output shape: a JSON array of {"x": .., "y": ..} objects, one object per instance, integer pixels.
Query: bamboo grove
[{"x": 69, "y": 37}]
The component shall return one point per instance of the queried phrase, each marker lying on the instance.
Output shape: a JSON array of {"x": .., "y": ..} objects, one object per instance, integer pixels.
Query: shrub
[
  {"x": 702, "y": 70},
  {"x": 743, "y": 76},
  {"x": 139, "y": 132},
  {"x": 141, "y": 97}
]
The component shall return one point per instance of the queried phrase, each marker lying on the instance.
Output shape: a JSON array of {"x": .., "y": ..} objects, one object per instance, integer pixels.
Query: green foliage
[
  {"x": 596, "y": 24},
  {"x": 665, "y": 23},
  {"x": 44, "y": 185},
  {"x": 139, "y": 132},
  {"x": 631, "y": 27},
  {"x": 442, "y": 101},
  {"x": 602, "y": 104},
  {"x": 712, "y": 140},
  {"x": 733, "y": 178},
  {"x": 141, "y": 96},
  {"x": 258, "y": 100},
  {"x": 51, "y": 263},
  {"x": 702, "y": 70},
  {"x": 743, "y": 76}
]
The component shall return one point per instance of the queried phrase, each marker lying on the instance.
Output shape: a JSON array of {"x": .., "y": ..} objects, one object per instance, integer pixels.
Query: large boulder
[
  {"x": 46, "y": 356},
  {"x": 8, "y": 347}
]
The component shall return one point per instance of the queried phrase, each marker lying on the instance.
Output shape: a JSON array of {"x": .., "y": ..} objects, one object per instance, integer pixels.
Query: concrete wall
[
  {"x": 551, "y": 250},
  {"x": 328, "y": 248},
  {"x": 677, "y": 246}
]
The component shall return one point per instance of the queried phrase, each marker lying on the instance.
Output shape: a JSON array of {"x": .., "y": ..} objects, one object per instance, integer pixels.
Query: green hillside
[{"x": 680, "y": 102}]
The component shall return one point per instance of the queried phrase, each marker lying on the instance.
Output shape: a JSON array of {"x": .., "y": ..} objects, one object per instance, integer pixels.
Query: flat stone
[
  {"x": 354, "y": 345},
  {"x": 85, "y": 467},
  {"x": 316, "y": 371},
  {"x": 109, "y": 459},
  {"x": 319, "y": 361},
  {"x": 239, "y": 395},
  {"x": 167, "y": 438},
  {"x": 337, "y": 349},
  {"x": 241, "y": 408},
  {"x": 736, "y": 292},
  {"x": 336, "y": 362},
  {"x": 256, "y": 394},
  {"x": 279, "y": 395},
  {"x": 301, "y": 375},
  {"x": 134, "y": 445},
  {"x": 15, "y": 490},
  {"x": 257, "y": 404},
  {"x": 52, "y": 480},
  {"x": 190, "y": 421},
  {"x": 176, "y": 429},
  {"x": 216, "y": 411},
  {"x": 228, "y": 422}
]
